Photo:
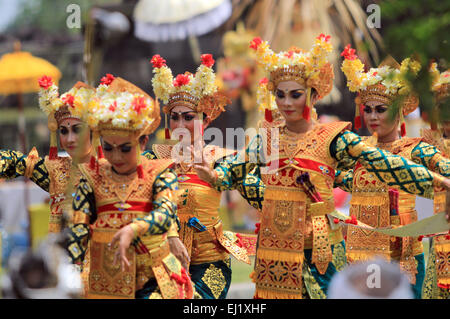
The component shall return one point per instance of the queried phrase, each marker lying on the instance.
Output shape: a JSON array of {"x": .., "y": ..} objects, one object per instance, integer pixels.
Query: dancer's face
[
  {"x": 72, "y": 138},
  {"x": 290, "y": 97},
  {"x": 184, "y": 117},
  {"x": 120, "y": 151},
  {"x": 377, "y": 119}
]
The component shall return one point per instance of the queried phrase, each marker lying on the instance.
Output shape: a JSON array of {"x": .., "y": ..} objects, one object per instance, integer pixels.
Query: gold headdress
[
  {"x": 71, "y": 104},
  {"x": 440, "y": 83},
  {"x": 440, "y": 86},
  {"x": 310, "y": 69},
  {"x": 198, "y": 92},
  {"x": 382, "y": 84},
  {"x": 121, "y": 108}
]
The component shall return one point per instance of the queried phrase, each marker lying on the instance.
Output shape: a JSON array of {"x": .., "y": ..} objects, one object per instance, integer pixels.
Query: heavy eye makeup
[
  {"x": 186, "y": 116},
  {"x": 293, "y": 94},
  {"x": 124, "y": 148},
  {"x": 64, "y": 130},
  {"x": 379, "y": 109}
]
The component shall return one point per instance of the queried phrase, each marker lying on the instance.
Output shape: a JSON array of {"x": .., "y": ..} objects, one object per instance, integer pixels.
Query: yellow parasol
[
  {"x": 19, "y": 74},
  {"x": 20, "y": 71}
]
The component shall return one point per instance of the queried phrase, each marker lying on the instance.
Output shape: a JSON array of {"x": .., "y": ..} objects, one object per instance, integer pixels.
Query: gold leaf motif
[{"x": 215, "y": 280}]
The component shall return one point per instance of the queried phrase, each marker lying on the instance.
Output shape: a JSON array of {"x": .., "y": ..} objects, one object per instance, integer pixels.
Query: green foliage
[
  {"x": 51, "y": 16},
  {"x": 421, "y": 29}
]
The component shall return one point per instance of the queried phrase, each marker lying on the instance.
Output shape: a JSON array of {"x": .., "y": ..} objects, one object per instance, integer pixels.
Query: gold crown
[
  {"x": 212, "y": 105},
  {"x": 183, "y": 99},
  {"x": 287, "y": 73},
  {"x": 64, "y": 111},
  {"x": 309, "y": 68},
  {"x": 377, "y": 92},
  {"x": 196, "y": 91}
]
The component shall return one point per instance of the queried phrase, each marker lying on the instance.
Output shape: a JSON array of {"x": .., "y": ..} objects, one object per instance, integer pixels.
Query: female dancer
[
  {"x": 437, "y": 277},
  {"x": 126, "y": 198},
  {"x": 372, "y": 201},
  {"x": 299, "y": 248},
  {"x": 54, "y": 173},
  {"x": 193, "y": 99}
]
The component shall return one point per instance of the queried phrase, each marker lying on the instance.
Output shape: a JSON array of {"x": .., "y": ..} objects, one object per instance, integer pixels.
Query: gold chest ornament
[{"x": 291, "y": 222}]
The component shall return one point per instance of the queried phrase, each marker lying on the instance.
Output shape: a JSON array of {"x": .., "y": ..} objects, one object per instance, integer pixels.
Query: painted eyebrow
[
  {"x": 291, "y": 91},
  {"x": 121, "y": 145},
  {"x": 188, "y": 112}
]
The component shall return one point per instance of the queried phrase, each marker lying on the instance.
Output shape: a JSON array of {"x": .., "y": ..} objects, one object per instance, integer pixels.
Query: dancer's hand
[
  {"x": 179, "y": 250},
  {"x": 124, "y": 237},
  {"x": 202, "y": 166}
]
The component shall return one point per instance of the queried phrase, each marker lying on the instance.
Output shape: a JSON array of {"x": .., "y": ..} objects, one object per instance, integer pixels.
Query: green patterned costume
[
  {"x": 361, "y": 185},
  {"x": 319, "y": 152},
  {"x": 210, "y": 247}
]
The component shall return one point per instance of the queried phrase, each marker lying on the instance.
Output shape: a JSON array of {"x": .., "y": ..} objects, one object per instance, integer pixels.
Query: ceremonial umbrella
[{"x": 19, "y": 74}]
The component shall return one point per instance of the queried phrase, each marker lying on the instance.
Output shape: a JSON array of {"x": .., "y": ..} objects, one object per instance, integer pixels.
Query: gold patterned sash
[
  {"x": 442, "y": 245},
  {"x": 279, "y": 257},
  {"x": 371, "y": 209},
  {"x": 107, "y": 280},
  {"x": 321, "y": 252}
]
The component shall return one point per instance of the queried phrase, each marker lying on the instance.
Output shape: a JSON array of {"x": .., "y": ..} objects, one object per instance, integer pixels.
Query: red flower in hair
[
  {"x": 45, "y": 82},
  {"x": 289, "y": 54},
  {"x": 139, "y": 104},
  {"x": 207, "y": 59},
  {"x": 181, "y": 79},
  {"x": 157, "y": 61},
  {"x": 68, "y": 99},
  {"x": 263, "y": 81},
  {"x": 254, "y": 44},
  {"x": 324, "y": 37},
  {"x": 349, "y": 53},
  {"x": 113, "y": 106},
  {"x": 107, "y": 79}
]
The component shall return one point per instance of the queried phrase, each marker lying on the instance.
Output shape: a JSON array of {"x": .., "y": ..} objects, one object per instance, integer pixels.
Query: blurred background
[{"x": 84, "y": 40}]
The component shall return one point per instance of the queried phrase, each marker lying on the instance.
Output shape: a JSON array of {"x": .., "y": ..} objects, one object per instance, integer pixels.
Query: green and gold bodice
[
  {"x": 59, "y": 177},
  {"x": 199, "y": 200},
  {"x": 104, "y": 203}
]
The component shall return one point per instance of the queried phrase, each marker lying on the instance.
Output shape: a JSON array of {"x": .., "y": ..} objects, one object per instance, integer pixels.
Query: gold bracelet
[{"x": 135, "y": 229}]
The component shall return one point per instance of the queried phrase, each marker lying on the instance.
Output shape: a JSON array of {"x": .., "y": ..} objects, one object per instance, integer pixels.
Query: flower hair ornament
[
  {"x": 384, "y": 84},
  {"x": 440, "y": 86},
  {"x": 71, "y": 104},
  {"x": 197, "y": 91},
  {"x": 121, "y": 108},
  {"x": 310, "y": 69}
]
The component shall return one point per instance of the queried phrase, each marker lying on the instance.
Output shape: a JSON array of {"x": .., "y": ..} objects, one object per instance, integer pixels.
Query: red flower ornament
[
  {"x": 263, "y": 81},
  {"x": 324, "y": 37},
  {"x": 254, "y": 44},
  {"x": 181, "y": 79},
  {"x": 207, "y": 59},
  {"x": 68, "y": 99},
  {"x": 45, "y": 82},
  {"x": 139, "y": 104},
  {"x": 107, "y": 80},
  {"x": 157, "y": 61},
  {"x": 113, "y": 106},
  {"x": 349, "y": 53}
]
